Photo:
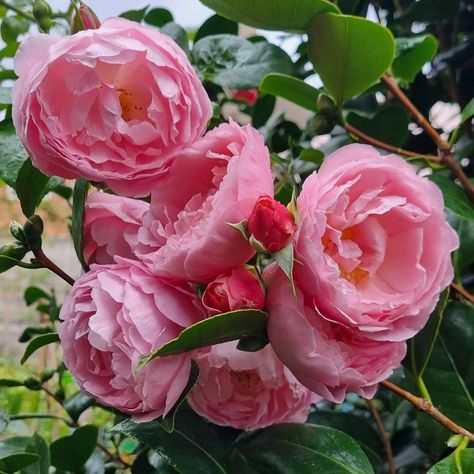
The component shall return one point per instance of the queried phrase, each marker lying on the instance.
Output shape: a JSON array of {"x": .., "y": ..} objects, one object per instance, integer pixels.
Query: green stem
[
  {"x": 17, "y": 10},
  {"x": 457, "y": 454},
  {"x": 30, "y": 416}
]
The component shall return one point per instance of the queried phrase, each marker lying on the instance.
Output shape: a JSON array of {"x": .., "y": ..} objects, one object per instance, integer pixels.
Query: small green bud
[
  {"x": 321, "y": 124},
  {"x": 16, "y": 229},
  {"x": 33, "y": 229},
  {"x": 326, "y": 106},
  {"x": 41, "y": 10}
]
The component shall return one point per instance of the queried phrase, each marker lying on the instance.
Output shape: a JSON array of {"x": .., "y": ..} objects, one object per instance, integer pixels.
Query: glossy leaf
[
  {"x": 236, "y": 63},
  {"x": 285, "y": 259},
  {"x": 72, "y": 452},
  {"x": 299, "y": 449},
  {"x": 158, "y": 17},
  {"x": 33, "y": 294},
  {"x": 271, "y": 14},
  {"x": 38, "y": 446},
  {"x": 455, "y": 198},
  {"x": 79, "y": 197},
  {"x": 216, "y": 25},
  {"x": 178, "y": 34},
  {"x": 450, "y": 465},
  {"x": 77, "y": 404},
  {"x": 30, "y": 187},
  {"x": 37, "y": 343},
  {"x": 13, "y": 155},
  {"x": 213, "y": 330},
  {"x": 135, "y": 15},
  {"x": 349, "y": 53},
  {"x": 13, "y": 457},
  {"x": 263, "y": 110},
  {"x": 468, "y": 111},
  {"x": 292, "y": 89},
  {"x": 411, "y": 55}
]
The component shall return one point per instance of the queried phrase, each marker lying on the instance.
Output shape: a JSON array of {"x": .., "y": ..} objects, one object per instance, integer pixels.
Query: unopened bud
[
  {"x": 33, "y": 229},
  {"x": 321, "y": 124},
  {"x": 84, "y": 19},
  {"x": 16, "y": 229},
  {"x": 271, "y": 224},
  {"x": 326, "y": 105}
]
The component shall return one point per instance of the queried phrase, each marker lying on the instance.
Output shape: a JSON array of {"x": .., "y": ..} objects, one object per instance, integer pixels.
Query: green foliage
[
  {"x": 37, "y": 343},
  {"x": 216, "y": 25},
  {"x": 158, "y": 17},
  {"x": 79, "y": 197}
]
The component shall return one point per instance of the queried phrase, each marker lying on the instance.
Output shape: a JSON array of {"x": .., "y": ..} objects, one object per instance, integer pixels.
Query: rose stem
[
  {"x": 42, "y": 258},
  {"x": 463, "y": 292},
  {"x": 423, "y": 405},
  {"x": 384, "y": 435}
]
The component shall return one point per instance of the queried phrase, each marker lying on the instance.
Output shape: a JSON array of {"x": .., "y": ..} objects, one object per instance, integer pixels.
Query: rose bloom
[
  {"x": 239, "y": 289},
  {"x": 326, "y": 357},
  {"x": 373, "y": 248},
  {"x": 111, "y": 226},
  {"x": 247, "y": 390},
  {"x": 115, "y": 104},
  {"x": 114, "y": 315},
  {"x": 186, "y": 235}
]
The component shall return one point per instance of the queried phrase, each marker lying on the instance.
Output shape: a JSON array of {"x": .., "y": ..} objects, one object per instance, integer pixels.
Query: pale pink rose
[
  {"x": 215, "y": 182},
  {"x": 114, "y": 104},
  {"x": 240, "y": 289},
  {"x": 111, "y": 226},
  {"x": 373, "y": 247},
  {"x": 247, "y": 390},
  {"x": 326, "y": 357},
  {"x": 115, "y": 314}
]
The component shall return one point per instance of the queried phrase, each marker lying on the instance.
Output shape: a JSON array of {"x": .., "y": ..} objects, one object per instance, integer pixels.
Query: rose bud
[
  {"x": 246, "y": 95},
  {"x": 84, "y": 19},
  {"x": 271, "y": 224},
  {"x": 239, "y": 289}
]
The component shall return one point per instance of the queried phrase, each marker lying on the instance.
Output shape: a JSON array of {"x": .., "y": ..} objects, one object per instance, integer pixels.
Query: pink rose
[
  {"x": 326, "y": 357},
  {"x": 217, "y": 181},
  {"x": 114, "y": 105},
  {"x": 247, "y": 390},
  {"x": 239, "y": 289},
  {"x": 271, "y": 224},
  {"x": 373, "y": 244},
  {"x": 115, "y": 314},
  {"x": 111, "y": 226},
  {"x": 84, "y": 19}
]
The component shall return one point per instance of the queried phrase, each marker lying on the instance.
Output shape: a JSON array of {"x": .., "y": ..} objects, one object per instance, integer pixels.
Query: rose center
[
  {"x": 244, "y": 381},
  {"x": 132, "y": 109}
]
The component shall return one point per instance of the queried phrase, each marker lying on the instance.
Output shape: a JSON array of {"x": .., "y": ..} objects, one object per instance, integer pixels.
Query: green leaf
[
  {"x": 37, "y": 343},
  {"x": 263, "y": 110},
  {"x": 72, "y": 452},
  {"x": 135, "y": 15},
  {"x": 13, "y": 457},
  {"x": 158, "y": 17},
  {"x": 355, "y": 427},
  {"x": 79, "y": 197},
  {"x": 468, "y": 111},
  {"x": 299, "y": 449},
  {"x": 10, "y": 383},
  {"x": 271, "y": 14},
  {"x": 4, "y": 421},
  {"x": 77, "y": 404},
  {"x": 38, "y": 446},
  {"x": 389, "y": 124},
  {"x": 312, "y": 155},
  {"x": 412, "y": 54},
  {"x": 214, "y": 330},
  {"x": 284, "y": 259},
  {"x": 194, "y": 447},
  {"x": 216, "y": 25},
  {"x": 349, "y": 53},
  {"x": 236, "y": 63},
  {"x": 30, "y": 187},
  {"x": 30, "y": 332},
  {"x": 33, "y": 294},
  {"x": 292, "y": 89},
  {"x": 450, "y": 465},
  {"x": 13, "y": 155},
  {"x": 178, "y": 34},
  {"x": 455, "y": 198}
]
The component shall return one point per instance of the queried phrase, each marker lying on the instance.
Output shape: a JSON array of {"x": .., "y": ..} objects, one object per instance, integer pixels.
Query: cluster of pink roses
[{"x": 121, "y": 105}]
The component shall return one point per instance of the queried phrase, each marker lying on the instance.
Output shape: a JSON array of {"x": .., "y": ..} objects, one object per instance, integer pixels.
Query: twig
[
  {"x": 30, "y": 416},
  {"x": 17, "y": 10},
  {"x": 116, "y": 458},
  {"x": 446, "y": 155},
  {"x": 426, "y": 407},
  {"x": 384, "y": 436},
  {"x": 42, "y": 258},
  {"x": 463, "y": 292},
  {"x": 385, "y": 146}
]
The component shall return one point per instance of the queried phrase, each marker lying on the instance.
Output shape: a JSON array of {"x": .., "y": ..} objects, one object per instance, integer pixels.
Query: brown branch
[
  {"x": 445, "y": 152},
  {"x": 463, "y": 292},
  {"x": 423, "y": 405},
  {"x": 42, "y": 258},
  {"x": 385, "y": 146},
  {"x": 384, "y": 436}
]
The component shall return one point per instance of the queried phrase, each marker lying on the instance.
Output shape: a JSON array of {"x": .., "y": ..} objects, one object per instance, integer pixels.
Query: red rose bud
[
  {"x": 271, "y": 225},
  {"x": 246, "y": 95},
  {"x": 84, "y": 19},
  {"x": 240, "y": 289}
]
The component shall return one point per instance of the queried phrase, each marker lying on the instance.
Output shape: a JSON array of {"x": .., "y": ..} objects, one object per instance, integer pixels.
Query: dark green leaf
[
  {"x": 299, "y": 449},
  {"x": 158, "y": 17},
  {"x": 468, "y": 111},
  {"x": 349, "y": 53},
  {"x": 13, "y": 457},
  {"x": 10, "y": 383},
  {"x": 77, "y": 404},
  {"x": 13, "y": 155},
  {"x": 292, "y": 89},
  {"x": 356, "y": 427},
  {"x": 214, "y": 330},
  {"x": 30, "y": 332},
  {"x": 72, "y": 452},
  {"x": 271, "y": 14},
  {"x": 11, "y": 255},
  {"x": 38, "y": 446},
  {"x": 312, "y": 156},
  {"x": 178, "y": 34},
  {"x": 455, "y": 198},
  {"x": 389, "y": 124},
  {"x": 263, "y": 110},
  {"x": 449, "y": 465},
  {"x": 236, "y": 63},
  {"x": 79, "y": 196},
  {"x": 135, "y": 15},
  {"x": 216, "y": 25},
  {"x": 4, "y": 421},
  {"x": 37, "y": 343},
  {"x": 33, "y": 294},
  {"x": 412, "y": 53},
  {"x": 30, "y": 187}
]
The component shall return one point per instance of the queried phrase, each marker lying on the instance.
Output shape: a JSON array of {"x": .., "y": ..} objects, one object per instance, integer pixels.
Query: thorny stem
[
  {"x": 384, "y": 436},
  {"x": 423, "y": 405},
  {"x": 42, "y": 258}
]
